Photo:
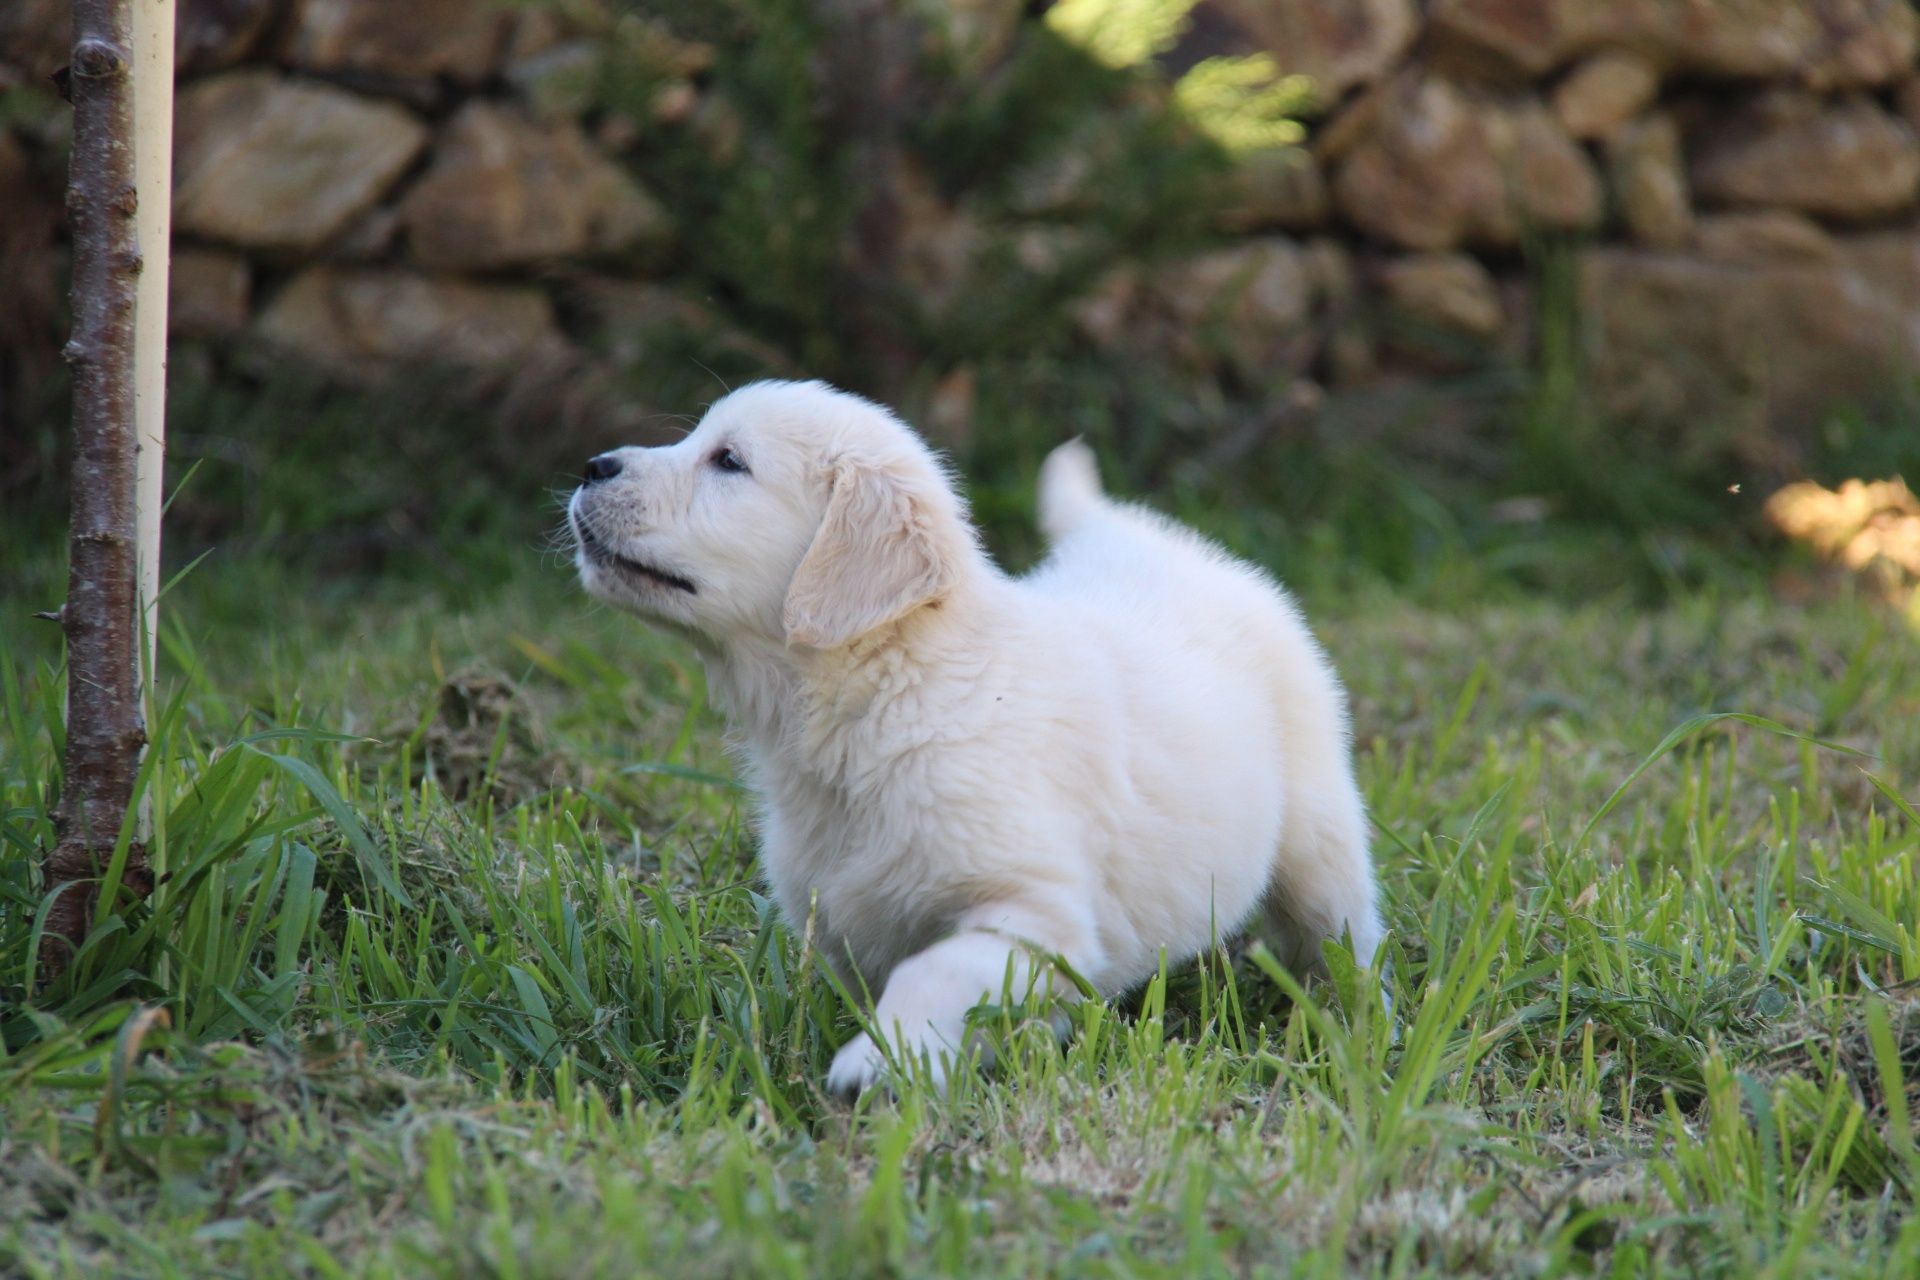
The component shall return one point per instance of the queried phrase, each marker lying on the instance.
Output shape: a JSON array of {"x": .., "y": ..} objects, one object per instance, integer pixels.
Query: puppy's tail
[{"x": 1069, "y": 489}]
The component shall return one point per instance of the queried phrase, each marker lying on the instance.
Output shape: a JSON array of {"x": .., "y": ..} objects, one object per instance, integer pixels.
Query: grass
[{"x": 458, "y": 966}]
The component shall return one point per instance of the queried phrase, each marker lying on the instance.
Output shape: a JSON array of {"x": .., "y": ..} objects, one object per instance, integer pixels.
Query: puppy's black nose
[{"x": 604, "y": 467}]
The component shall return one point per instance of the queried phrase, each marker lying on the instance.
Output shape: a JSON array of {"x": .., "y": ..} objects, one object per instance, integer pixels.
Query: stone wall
[{"x": 374, "y": 189}]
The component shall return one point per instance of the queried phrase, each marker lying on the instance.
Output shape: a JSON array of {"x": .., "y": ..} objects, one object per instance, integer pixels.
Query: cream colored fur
[{"x": 960, "y": 773}]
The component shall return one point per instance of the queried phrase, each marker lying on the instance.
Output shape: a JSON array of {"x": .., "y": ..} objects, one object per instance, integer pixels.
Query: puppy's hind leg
[{"x": 1323, "y": 882}]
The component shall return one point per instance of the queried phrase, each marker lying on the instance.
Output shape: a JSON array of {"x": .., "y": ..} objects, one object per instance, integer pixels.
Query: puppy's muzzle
[{"x": 595, "y": 548}]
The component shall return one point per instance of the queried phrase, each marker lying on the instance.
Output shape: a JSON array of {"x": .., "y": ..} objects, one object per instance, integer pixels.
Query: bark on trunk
[{"x": 105, "y": 727}]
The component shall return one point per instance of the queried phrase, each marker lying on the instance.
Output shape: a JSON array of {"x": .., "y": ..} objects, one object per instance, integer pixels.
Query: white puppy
[{"x": 1125, "y": 752}]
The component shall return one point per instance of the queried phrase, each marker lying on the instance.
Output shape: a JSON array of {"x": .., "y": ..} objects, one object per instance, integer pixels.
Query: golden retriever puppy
[{"x": 961, "y": 774}]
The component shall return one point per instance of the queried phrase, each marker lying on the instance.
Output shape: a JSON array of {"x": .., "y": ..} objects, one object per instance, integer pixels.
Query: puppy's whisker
[
  {"x": 711, "y": 374},
  {"x": 561, "y": 537},
  {"x": 596, "y": 527},
  {"x": 683, "y": 423}
]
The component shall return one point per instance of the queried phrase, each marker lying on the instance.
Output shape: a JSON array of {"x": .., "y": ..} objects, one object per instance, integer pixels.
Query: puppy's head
[{"x": 793, "y": 513}]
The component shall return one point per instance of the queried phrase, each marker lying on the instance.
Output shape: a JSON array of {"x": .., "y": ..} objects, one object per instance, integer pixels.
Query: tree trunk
[{"x": 105, "y": 727}]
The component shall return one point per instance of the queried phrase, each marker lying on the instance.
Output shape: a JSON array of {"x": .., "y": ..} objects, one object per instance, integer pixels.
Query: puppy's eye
[{"x": 728, "y": 460}]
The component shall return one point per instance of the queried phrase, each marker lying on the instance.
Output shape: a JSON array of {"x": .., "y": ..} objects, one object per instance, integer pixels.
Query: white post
[{"x": 153, "y": 226}]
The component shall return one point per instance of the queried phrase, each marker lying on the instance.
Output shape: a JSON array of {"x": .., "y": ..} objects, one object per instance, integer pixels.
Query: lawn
[{"x": 458, "y": 966}]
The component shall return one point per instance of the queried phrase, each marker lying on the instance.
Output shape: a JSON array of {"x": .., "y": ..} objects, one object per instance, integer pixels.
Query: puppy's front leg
[{"x": 923, "y": 1010}]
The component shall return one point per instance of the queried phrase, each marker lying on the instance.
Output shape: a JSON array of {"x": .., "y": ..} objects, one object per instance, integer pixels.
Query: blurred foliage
[
  {"x": 342, "y": 485},
  {"x": 1245, "y": 104},
  {"x": 760, "y": 174},
  {"x": 818, "y": 150},
  {"x": 1075, "y": 135},
  {"x": 1120, "y": 33},
  {"x": 1241, "y": 103},
  {"x": 796, "y": 179}
]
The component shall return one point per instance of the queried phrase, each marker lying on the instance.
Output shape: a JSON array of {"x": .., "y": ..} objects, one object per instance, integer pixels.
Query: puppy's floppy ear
[{"x": 877, "y": 555}]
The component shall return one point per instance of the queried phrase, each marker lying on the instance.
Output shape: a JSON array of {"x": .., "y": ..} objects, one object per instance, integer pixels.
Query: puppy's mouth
[{"x": 606, "y": 557}]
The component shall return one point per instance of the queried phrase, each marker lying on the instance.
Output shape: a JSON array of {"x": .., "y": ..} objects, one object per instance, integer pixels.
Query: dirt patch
[{"x": 485, "y": 737}]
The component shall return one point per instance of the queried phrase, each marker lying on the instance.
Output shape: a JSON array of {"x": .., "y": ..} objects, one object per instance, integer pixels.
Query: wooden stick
[
  {"x": 153, "y": 226},
  {"x": 105, "y": 728}
]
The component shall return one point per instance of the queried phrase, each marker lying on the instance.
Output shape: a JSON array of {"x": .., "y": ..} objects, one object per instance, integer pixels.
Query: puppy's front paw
[
  {"x": 862, "y": 1064},
  {"x": 856, "y": 1068}
]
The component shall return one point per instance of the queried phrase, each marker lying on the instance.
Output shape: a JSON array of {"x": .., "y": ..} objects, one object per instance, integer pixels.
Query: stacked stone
[
  {"x": 400, "y": 172},
  {"x": 1764, "y": 170},
  {"x": 1738, "y": 178},
  {"x": 371, "y": 186}
]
